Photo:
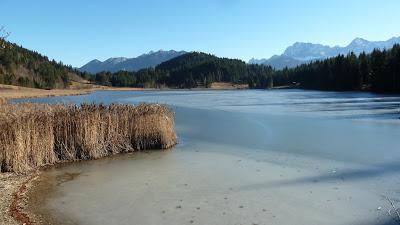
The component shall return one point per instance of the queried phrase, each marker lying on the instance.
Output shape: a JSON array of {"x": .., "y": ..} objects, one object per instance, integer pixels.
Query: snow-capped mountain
[
  {"x": 301, "y": 52},
  {"x": 278, "y": 61},
  {"x": 308, "y": 51},
  {"x": 146, "y": 60}
]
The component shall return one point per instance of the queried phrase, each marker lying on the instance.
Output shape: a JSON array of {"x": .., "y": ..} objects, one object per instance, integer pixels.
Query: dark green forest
[
  {"x": 22, "y": 67},
  {"x": 378, "y": 71},
  {"x": 192, "y": 70}
]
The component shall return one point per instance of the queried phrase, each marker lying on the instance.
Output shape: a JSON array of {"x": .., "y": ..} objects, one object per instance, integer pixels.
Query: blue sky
[{"x": 77, "y": 31}]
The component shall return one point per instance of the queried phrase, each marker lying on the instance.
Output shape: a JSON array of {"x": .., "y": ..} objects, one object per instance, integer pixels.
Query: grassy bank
[
  {"x": 12, "y": 92},
  {"x": 35, "y": 135}
]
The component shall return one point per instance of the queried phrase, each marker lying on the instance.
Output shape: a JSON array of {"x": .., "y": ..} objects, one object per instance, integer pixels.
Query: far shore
[{"x": 15, "y": 92}]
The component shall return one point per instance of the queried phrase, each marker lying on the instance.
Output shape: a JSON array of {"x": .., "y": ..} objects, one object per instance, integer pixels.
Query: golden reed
[
  {"x": 2, "y": 101},
  {"x": 35, "y": 135}
]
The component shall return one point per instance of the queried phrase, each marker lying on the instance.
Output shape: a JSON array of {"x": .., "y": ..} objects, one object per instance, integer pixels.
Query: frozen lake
[{"x": 244, "y": 157}]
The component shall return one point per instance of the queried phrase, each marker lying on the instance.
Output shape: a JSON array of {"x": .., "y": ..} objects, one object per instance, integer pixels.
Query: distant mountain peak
[
  {"x": 116, "y": 60},
  {"x": 149, "y": 53},
  {"x": 359, "y": 42},
  {"x": 95, "y": 61},
  {"x": 161, "y": 51},
  {"x": 147, "y": 60},
  {"x": 303, "y": 52}
]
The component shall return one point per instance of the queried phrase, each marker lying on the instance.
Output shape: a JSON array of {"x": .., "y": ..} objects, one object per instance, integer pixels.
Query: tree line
[
  {"x": 189, "y": 71},
  {"x": 378, "y": 71}
]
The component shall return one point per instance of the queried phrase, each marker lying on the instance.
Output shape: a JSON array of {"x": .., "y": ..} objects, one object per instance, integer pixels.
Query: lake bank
[
  {"x": 18, "y": 92},
  {"x": 13, "y": 199},
  {"x": 15, "y": 92}
]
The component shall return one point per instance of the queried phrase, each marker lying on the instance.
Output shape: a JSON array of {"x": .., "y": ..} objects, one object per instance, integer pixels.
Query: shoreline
[
  {"x": 8, "y": 92},
  {"x": 14, "y": 92},
  {"x": 13, "y": 201}
]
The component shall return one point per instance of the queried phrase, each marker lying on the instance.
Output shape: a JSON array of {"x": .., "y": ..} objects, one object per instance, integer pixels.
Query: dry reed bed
[
  {"x": 35, "y": 135},
  {"x": 2, "y": 101}
]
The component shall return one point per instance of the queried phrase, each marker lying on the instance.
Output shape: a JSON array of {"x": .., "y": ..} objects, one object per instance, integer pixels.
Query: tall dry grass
[
  {"x": 2, "y": 101},
  {"x": 34, "y": 135}
]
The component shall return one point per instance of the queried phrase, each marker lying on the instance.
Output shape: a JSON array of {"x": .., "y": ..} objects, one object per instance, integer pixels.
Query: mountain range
[
  {"x": 301, "y": 52},
  {"x": 147, "y": 60},
  {"x": 296, "y": 54}
]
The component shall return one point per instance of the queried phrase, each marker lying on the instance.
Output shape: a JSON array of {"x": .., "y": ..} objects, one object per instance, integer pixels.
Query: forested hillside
[
  {"x": 192, "y": 70},
  {"x": 378, "y": 71},
  {"x": 23, "y": 67}
]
